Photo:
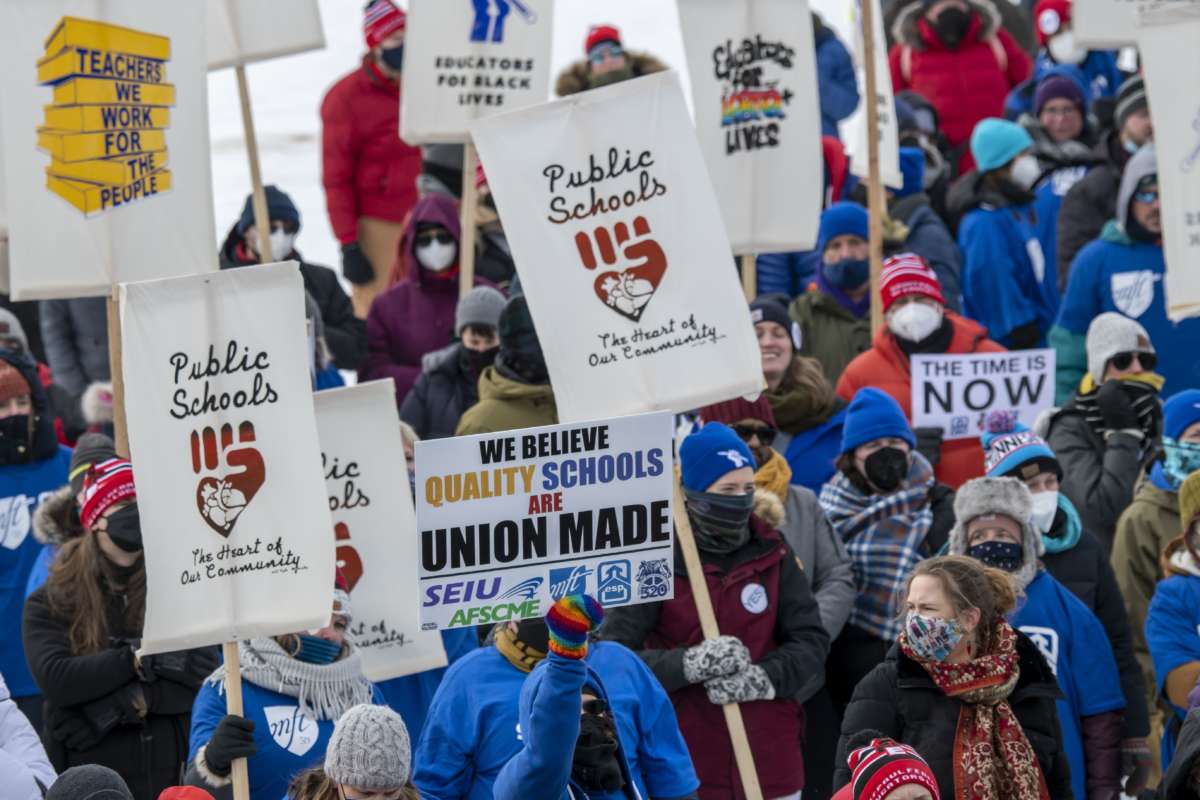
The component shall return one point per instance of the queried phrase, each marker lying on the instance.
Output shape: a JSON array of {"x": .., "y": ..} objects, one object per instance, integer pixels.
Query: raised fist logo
[
  {"x": 628, "y": 290},
  {"x": 231, "y": 473},
  {"x": 348, "y": 562}
]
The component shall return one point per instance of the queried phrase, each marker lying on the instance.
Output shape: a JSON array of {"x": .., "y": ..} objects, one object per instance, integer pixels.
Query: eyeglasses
[
  {"x": 1146, "y": 197},
  {"x": 441, "y": 237},
  {"x": 765, "y": 434},
  {"x": 604, "y": 51},
  {"x": 595, "y": 707},
  {"x": 1124, "y": 361},
  {"x": 1065, "y": 111}
]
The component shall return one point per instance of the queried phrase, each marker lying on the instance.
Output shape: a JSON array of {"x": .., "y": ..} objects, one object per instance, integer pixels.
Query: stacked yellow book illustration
[{"x": 105, "y": 130}]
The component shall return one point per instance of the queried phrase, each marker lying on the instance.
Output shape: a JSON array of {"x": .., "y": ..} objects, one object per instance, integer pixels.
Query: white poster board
[
  {"x": 509, "y": 523},
  {"x": 957, "y": 392},
  {"x": 104, "y": 112},
  {"x": 758, "y": 117},
  {"x": 621, "y": 251},
  {"x": 245, "y": 31},
  {"x": 467, "y": 60},
  {"x": 885, "y": 105},
  {"x": 1104, "y": 23},
  {"x": 224, "y": 447},
  {"x": 374, "y": 527}
]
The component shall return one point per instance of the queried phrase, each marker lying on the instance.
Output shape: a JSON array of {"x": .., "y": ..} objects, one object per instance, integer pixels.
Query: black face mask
[
  {"x": 951, "y": 26},
  {"x": 14, "y": 439},
  {"x": 887, "y": 468},
  {"x": 1007, "y": 556},
  {"x": 393, "y": 57},
  {"x": 595, "y": 766},
  {"x": 720, "y": 522},
  {"x": 125, "y": 529},
  {"x": 474, "y": 362}
]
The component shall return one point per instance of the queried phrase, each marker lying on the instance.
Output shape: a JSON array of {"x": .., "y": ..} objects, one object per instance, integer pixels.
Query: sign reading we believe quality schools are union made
[{"x": 509, "y": 522}]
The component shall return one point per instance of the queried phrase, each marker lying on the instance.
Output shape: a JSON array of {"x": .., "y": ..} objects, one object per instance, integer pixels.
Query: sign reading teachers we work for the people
[
  {"x": 957, "y": 392},
  {"x": 508, "y": 523}
]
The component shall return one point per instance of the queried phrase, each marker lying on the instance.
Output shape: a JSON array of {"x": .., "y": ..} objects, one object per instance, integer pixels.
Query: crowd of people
[{"x": 903, "y": 615}]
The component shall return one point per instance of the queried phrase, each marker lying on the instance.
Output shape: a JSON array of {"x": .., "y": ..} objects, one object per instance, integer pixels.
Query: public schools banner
[
  {"x": 245, "y": 31},
  {"x": 103, "y": 110},
  {"x": 238, "y": 538},
  {"x": 758, "y": 118},
  {"x": 373, "y": 525},
  {"x": 467, "y": 60},
  {"x": 508, "y": 523},
  {"x": 621, "y": 250}
]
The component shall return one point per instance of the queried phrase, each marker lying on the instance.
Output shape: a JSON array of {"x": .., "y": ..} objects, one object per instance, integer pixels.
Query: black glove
[
  {"x": 232, "y": 738},
  {"x": 1116, "y": 407},
  {"x": 125, "y": 706},
  {"x": 1025, "y": 337},
  {"x": 355, "y": 266},
  {"x": 72, "y": 729},
  {"x": 929, "y": 443},
  {"x": 186, "y": 667}
]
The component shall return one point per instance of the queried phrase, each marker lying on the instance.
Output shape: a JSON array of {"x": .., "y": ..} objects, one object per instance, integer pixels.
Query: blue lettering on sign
[
  {"x": 614, "y": 582},
  {"x": 568, "y": 580},
  {"x": 654, "y": 579},
  {"x": 461, "y": 592}
]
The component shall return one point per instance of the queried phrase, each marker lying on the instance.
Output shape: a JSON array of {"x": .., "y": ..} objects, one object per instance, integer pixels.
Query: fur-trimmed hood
[
  {"x": 56, "y": 519},
  {"x": 769, "y": 508},
  {"x": 574, "y": 78},
  {"x": 1007, "y": 496},
  {"x": 905, "y": 30}
]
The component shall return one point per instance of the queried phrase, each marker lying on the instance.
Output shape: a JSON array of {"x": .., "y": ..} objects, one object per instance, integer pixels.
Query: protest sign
[
  {"x": 105, "y": 136},
  {"x": 238, "y": 538},
  {"x": 508, "y": 523},
  {"x": 245, "y": 31},
  {"x": 885, "y": 105},
  {"x": 621, "y": 251},
  {"x": 754, "y": 91},
  {"x": 467, "y": 60},
  {"x": 374, "y": 528},
  {"x": 957, "y": 392},
  {"x": 1101, "y": 23}
]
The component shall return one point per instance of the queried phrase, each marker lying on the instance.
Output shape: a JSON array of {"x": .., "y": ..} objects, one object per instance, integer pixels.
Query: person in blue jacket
[
  {"x": 32, "y": 466},
  {"x": 1173, "y": 621},
  {"x": 995, "y": 527},
  {"x": 471, "y": 730},
  {"x": 836, "y": 80},
  {"x": 1006, "y": 280},
  {"x": 411, "y": 695}
]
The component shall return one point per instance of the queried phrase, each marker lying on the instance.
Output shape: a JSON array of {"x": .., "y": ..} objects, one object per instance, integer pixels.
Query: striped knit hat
[
  {"x": 106, "y": 484},
  {"x": 381, "y": 18},
  {"x": 570, "y": 621},
  {"x": 884, "y": 766},
  {"x": 905, "y": 274}
]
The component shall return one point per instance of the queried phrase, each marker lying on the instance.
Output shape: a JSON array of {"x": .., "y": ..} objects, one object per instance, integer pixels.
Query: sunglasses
[
  {"x": 604, "y": 51},
  {"x": 595, "y": 707},
  {"x": 1145, "y": 197},
  {"x": 441, "y": 237},
  {"x": 765, "y": 434},
  {"x": 1125, "y": 360}
]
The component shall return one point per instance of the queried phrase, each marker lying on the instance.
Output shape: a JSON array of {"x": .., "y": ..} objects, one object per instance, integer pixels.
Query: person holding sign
[
  {"x": 772, "y": 656},
  {"x": 104, "y": 704},
  {"x": 369, "y": 756}
]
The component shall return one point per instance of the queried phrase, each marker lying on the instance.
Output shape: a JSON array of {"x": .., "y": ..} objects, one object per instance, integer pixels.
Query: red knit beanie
[
  {"x": 106, "y": 484},
  {"x": 907, "y": 274},
  {"x": 381, "y": 18},
  {"x": 601, "y": 33},
  {"x": 884, "y": 766},
  {"x": 12, "y": 383},
  {"x": 738, "y": 409},
  {"x": 1049, "y": 17}
]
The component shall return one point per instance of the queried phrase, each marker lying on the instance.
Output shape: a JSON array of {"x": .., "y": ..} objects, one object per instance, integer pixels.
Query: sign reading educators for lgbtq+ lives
[{"x": 508, "y": 523}]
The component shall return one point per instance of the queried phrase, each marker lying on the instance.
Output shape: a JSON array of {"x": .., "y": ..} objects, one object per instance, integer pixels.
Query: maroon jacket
[
  {"x": 784, "y": 636},
  {"x": 366, "y": 168}
]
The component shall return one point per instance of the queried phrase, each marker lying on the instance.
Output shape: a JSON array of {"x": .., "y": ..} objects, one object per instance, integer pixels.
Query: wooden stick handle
[
  {"x": 708, "y": 624},
  {"x": 749, "y": 276},
  {"x": 233, "y": 705},
  {"x": 466, "y": 242},
  {"x": 115, "y": 361},
  {"x": 875, "y": 197},
  {"x": 262, "y": 219}
]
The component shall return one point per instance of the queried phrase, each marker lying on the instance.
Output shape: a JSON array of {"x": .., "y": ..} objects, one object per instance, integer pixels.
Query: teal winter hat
[{"x": 995, "y": 142}]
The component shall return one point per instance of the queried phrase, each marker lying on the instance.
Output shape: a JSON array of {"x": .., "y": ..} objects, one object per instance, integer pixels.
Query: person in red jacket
[
  {"x": 918, "y": 323},
  {"x": 958, "y": 56},
  {"x": 368, "y": 171}
]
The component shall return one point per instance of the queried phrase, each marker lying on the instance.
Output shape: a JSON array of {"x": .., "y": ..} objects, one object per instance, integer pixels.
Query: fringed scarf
[{"x": 993, "y": 759}]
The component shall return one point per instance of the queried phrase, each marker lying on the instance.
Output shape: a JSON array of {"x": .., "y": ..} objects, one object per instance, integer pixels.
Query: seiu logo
[{"x": 461, "y": 592}]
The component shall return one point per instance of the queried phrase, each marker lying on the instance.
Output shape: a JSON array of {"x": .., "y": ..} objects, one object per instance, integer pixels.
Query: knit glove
[
  {"x": 1116, "y": 407},
  {"x": 1136, "y": 764},
  {"x": 715, "y": 658},
  {"x": 748, "y": 685},
  {"x": 232, "y": 738},
  {"x": 570, "y": 621},
  {"x": 929, "y": 443},
  {"x": 355, "y": 266}
]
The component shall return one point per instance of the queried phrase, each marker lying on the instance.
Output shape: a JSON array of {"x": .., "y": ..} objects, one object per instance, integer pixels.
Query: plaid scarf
[
  {"x": 883, "y": 534},
  {"x": 993, "y": 759}
]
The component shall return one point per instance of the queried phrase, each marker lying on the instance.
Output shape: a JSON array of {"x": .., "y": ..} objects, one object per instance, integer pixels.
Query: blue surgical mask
[
  {"x": 393, "y": 57},
  {"x": 315, "y": 650},
  {"x": 849, "y": 273},
  {"x": 1183, "y": 458}
]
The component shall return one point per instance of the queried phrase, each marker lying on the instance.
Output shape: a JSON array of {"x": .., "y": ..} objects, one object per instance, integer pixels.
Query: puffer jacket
[
  {"x": 574, "y": 77},
  {"x": 829, "y": 332},
  {"x": 23, "y": 763},
  {"x": 441, "y": 395},
  {"x": 1014, "y": 18},
  {"x": 506, "y": 404},
  {"x": 836, "y": 80}
]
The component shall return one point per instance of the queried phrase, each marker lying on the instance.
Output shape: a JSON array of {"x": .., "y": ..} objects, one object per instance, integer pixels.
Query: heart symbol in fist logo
[
  {"x": 231, "y": 473},
  {"x": 348, "y": 562},
  {"x": 626, "y": 290}
]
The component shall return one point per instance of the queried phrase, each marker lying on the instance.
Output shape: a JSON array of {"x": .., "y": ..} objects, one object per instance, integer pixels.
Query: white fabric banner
[
  {"x": 376, "y": 533},
  {"x": 511, "y": 522},
  {"x": 468, "y": 60},
  {"x": 621, "y": 250},
  {"x": 104, "y": 112},
  {"x": 758, "y": 117},
  {"x": 885, "y": 104},
  {"x": 224, "y": 446},
  {"x": 1171, "y": 60},
  {"x": 245, "y": 31},
  {"x": 957, "y": 392}
]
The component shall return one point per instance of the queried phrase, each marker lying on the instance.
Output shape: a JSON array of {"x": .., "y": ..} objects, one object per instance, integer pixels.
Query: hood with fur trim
[
  {"x": 56, "y": 519},
  {"x": 905, "y": 30},
  {"x": 1007, "y": 496},
  {"x": 574, "y": 78},
  {"x": 769, "y": 508}
]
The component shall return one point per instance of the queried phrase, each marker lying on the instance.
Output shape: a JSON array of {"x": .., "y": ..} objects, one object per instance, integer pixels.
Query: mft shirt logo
[
  {"x": 292, "y": 729},
  {"x": 1133, "y": 292},
  {"x": 14, "y": 520}
]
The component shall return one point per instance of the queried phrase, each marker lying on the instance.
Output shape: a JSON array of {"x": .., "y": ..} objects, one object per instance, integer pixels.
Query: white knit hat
[
  {"x": 370, "y": 750},
  {"x": 1112, "y": 333}
]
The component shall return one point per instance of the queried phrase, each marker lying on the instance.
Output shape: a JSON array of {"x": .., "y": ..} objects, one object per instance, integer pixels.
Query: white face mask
[
  {"x": 1026, "y": 171},
  {"x": 282, "y": 243},
  {"x": 436, "y": 256},
  {"x": 1045, "y": 507},
  {"x": 1064, "y": 50},
  {"x": 915, "y": 321}
]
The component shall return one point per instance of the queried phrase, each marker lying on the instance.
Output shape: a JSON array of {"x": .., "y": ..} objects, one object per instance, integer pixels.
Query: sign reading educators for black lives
[{"x": 508, "y": 523}]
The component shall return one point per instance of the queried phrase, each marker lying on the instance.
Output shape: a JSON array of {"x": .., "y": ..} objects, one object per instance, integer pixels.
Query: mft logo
[{"x": 568, "y": 580}]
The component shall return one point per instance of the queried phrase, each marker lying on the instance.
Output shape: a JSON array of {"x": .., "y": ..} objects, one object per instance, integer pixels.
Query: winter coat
[
  {"x": 103, "y": 689},
  {"x": 366, "y": 168},
  {"x": 929, "y": 238},
  {"x": 811, "y": 453},
  {"x": 885, "y": 366},
  {"x": 506, "y": 404},
  {"x": 1014, "y": 18},
  {"x": 787, "y": 274},
  {"x": 966, "y": 84},
  {"x": 55, "y": 522},
  {"x": 901, "y": 701},
  {"x": 441, "y": 394},
  {"x": 760, "y": 594},
  {"x": 410, "y": 695},
  {"x": 1177, "y": 783},
  {"x": 574, "y": 78},
  {"x": 829, "y": 332},
  {"x": 472, "y": 726},
  {"x": 23, "y": 763},
  {"x": 1090, "y": 203},
  {"x": 1173, "y": 635},
  {"x": 836, "y": 79},
  {"x": 75, "y": 333}
]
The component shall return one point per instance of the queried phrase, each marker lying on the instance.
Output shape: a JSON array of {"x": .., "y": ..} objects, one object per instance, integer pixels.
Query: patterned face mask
[
  {"x": 932, "y": 638},
  {"x": 1183, "y": 458}
]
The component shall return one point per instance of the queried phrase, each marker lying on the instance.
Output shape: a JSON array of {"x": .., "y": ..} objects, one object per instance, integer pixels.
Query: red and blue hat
[{"x": 1011, "y": 449}]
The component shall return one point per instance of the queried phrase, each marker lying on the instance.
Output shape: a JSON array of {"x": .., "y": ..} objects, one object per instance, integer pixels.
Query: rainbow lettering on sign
[{"x": 751, "y": 104}]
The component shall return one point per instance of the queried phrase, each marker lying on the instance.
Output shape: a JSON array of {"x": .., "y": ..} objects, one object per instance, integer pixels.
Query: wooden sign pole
[
  {"x": 262, "y": 218},
  {"x": 466, "y": 241},
  {"x": 876, "y": 203},
  {"x": 233, "y": 704},
  {"x": 120, "y": 431},
  {"x": 749, "y": 276}
]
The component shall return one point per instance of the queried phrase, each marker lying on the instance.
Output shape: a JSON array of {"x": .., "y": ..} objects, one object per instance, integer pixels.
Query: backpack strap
[
  {"x": 906, "y": 64},
  {"x": 998, "y": 51}
]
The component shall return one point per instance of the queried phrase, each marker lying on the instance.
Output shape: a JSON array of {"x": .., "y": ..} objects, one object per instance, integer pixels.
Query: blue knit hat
[
  {"x": 279, "y": 206},
  {"x": 841, "y": 219},
  {"x": 1180, "y": 412},
  {"x": 873, "y": 414},
  {"x": 995, "y": 142},
  {"x": 709, "y": 453},
  {"x": 912, "y": 167},
  {"x": 1010, "y": 449}
]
